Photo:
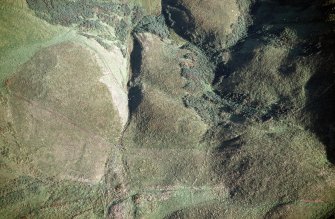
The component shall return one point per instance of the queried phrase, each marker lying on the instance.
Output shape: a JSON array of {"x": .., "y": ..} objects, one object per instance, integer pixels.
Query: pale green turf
[{"x": 21, "y": 35}]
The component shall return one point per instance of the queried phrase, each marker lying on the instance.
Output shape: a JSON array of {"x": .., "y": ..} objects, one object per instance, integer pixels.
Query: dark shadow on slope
[
  {"x": 136, "y": 60},
  {"x": 271, "y": 19},
  {"x": 134, "y": 87},
  {"x": 173, "y": 11},
  {"x": 269, "y": 26},
  {"x": 181, "y": 20},
  {"x": 233, "y": 144},
  {"x": 321, "y": 97},
  {"x": 135, "y": 98}
]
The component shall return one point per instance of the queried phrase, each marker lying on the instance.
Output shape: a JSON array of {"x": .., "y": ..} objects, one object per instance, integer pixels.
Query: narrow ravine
[{"x": 117, "y": 165}]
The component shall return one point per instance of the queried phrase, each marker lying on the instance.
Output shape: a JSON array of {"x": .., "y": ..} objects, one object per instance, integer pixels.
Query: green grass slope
[{"x": 21, "y": 34}]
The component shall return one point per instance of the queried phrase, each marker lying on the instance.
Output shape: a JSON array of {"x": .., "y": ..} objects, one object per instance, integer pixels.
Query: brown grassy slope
[
  {"x": 214, "y": 16},
  {"x": 276, "y": 161},
  {"x": 278, "y": 170},
  {"x": 16, "y": 3},
  {"x": 152, "y": 7},
  {"x": 213, "y": 24},
  {"x": 160, "y": 67},
  {"x": 161, "y": 120},
  {"x": 62, "y": 114},
  {"x": 266, "y": 77}
]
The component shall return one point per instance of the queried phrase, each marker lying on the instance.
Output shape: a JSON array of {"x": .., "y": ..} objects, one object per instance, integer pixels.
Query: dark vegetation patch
[
  {"x": 153, "y": 24},
  {"x": 82, "y": 15},
  {"x": 66, "y": 12},
  {"x": 179, "y": 18},
  {"x": 62, "y": 12}
]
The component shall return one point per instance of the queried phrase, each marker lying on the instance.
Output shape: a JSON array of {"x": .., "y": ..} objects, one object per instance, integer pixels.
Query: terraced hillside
[{"x": 167, "y": 109}]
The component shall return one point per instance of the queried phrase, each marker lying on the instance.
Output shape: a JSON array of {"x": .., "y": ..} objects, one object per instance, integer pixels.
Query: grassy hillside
[
  {"x": 21, "y": 34},
  {"x": 214, "y": 109}
]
